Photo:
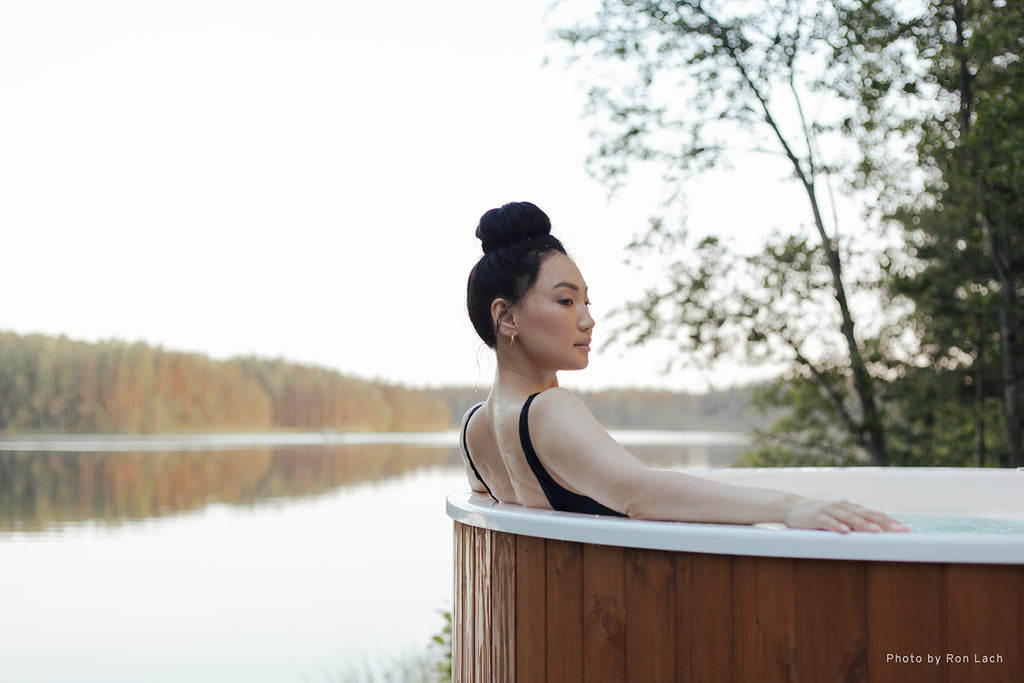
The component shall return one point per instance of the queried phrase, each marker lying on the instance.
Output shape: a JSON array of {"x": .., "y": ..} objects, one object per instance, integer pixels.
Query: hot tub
[{"x": 561, "y": 597}]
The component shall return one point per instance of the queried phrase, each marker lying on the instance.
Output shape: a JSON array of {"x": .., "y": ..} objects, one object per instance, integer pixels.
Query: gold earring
[{"x": 512, "y": 339}]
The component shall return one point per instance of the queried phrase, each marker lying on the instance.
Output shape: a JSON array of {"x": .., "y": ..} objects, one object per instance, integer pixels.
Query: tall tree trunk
[
  {"x": 871, "y": 421},
  {"x": 869, "y": 432},
  {"x": 978, "y": 364},
  {"x": 999, "y": 244},
  {"x": 979, "y": 396}
]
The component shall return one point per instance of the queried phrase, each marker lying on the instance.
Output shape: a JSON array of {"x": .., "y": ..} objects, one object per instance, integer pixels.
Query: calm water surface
[{"x": 238, "y": 558}]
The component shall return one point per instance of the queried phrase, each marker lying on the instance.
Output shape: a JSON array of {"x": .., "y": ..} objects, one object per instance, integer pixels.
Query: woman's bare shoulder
[
  {"x": 557, "y": 395},
  {"x": 472, "y": 409},
  {"x": 469, "y": 414},
  {"x": 579, "y": 452},
  {"x": 562, "y": 403}
]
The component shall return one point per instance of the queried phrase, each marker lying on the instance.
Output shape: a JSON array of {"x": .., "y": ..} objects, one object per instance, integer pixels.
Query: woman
[{"x": 534, "y": 444}]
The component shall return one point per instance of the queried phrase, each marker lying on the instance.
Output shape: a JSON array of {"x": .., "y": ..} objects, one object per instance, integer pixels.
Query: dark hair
[{"x": 515, "y": 238}]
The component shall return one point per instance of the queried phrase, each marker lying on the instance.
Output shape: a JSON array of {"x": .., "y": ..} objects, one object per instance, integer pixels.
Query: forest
[{"x": 59, "y": 385}]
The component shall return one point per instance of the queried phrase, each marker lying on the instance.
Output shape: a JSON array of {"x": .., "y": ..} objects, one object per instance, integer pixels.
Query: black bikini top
[
  {"x": 559, "y": 497},
  {"x": 465, "y": 447}
]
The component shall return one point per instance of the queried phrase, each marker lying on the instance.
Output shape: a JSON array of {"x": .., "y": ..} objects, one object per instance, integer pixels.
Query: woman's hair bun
[
  {"x": 511, "y": 224},
  {"x": 516, "y": 239}
]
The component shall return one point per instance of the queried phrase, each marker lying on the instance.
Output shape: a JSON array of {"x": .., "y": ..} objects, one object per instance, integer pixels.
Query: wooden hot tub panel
[{"x": 533, "y": 610}]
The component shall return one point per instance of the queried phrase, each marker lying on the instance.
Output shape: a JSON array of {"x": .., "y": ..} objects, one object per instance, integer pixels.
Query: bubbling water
[{"x": 961, "y": 524}]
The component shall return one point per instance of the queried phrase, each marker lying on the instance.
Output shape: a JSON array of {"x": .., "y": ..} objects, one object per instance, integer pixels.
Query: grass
[
  {"x": 409, "y": 668},
  {"x": 431, "y": 666}
]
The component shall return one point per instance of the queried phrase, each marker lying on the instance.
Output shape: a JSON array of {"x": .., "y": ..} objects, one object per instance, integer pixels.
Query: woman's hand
[{"x": 840, "y": 516}]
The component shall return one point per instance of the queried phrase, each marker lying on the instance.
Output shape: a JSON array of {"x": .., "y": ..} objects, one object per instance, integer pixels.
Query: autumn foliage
[{"x": 61, "y": 385}]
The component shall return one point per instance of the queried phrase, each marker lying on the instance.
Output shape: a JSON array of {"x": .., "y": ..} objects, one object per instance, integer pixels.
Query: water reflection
[
  {"x": 42, "y": 488},
  {"x": 45, "y": 488},
  {"x": 697, "y": 455},
  {"x": 293, "y": 590},
  {"x": 293, "y": 562}
]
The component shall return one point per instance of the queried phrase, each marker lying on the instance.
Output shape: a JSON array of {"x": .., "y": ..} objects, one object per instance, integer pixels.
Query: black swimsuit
[{"x": 558, "y": 496}]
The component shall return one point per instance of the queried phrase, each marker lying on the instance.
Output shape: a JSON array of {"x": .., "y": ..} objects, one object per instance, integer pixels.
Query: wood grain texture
[
  {"x": 503, "y": 606},
  {"x": 831, "y": 621},
  {"x": 565, "y": 611},
  {"x": 705, "y": 617},
  {"x": 765, "y": 640},
  {"x": 650, "y": 615},
  {"x": 531, "y": 610},
  {"x": 460, "y": 638},
  {"x": 482, "y": 599},
  {"x": 904, "y": 618},
  {"x": 470, "y": 672},
  {"x": 604, "y": 614},
  {"x": 980, "y": 602}
]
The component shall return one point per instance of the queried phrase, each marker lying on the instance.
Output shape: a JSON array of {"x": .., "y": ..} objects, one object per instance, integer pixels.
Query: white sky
[{"x": 303, "y": 178}]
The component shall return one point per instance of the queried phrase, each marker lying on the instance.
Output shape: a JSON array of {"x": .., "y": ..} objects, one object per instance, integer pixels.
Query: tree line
[
  {"x": 728, "y": 410},
  {"x": 61, "y": 385},
  {"x": 58, "y": 385},
  {"x": 901, "y": 337}
]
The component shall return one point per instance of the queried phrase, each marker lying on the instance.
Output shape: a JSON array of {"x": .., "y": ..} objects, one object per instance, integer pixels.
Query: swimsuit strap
[
  {"x": 532, "y": 460},
  {"x": 558, "y": 496},
  {"x": 465, "y": 447}
]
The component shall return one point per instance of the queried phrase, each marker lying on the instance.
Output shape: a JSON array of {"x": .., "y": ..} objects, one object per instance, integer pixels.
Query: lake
[{"x": 267, "y": 557}]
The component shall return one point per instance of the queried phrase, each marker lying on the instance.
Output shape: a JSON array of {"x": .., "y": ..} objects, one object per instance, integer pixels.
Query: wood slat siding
[
  {"x": 604, "y": 614},
  {"x": 650, "y": 616},
  {"x": 481, "y": 585},
  {"x": 529, "y": 610},
  {"x": 460, "y": 596},
  {"x": 980, "y": 602},
  {"x": 831, "y": 620},
  {"x": 564, "y": 612},
  {"x": 904, "y": 617},
  {"x": 503, "y": 607},
  {"x": 705, "y": 614},
  {"x": 764, "y": 637}
]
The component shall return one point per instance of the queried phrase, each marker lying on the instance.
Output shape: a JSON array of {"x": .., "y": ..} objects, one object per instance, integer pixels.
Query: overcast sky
[{"x": 302, "y": 179}]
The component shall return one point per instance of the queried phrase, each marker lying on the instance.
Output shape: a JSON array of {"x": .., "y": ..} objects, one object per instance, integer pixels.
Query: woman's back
[
  {"x": 513, "y": 482},
  {"x": 494, "y": 459}
]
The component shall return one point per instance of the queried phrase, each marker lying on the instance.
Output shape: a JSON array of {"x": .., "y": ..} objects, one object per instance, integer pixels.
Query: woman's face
[{"x": 553, "y": 320}]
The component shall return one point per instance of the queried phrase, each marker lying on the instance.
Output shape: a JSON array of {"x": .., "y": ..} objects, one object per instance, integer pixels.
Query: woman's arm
[{"x": 580, "y": 453}]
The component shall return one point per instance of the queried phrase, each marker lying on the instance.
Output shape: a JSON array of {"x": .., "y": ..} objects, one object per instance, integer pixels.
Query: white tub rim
[{"x": 990, "y": 490}]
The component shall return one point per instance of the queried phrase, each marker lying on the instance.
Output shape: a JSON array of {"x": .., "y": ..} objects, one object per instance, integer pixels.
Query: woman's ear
[{"x": 504, "y": 318}]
